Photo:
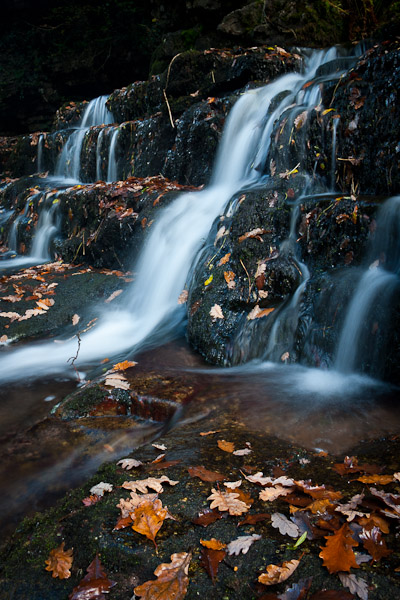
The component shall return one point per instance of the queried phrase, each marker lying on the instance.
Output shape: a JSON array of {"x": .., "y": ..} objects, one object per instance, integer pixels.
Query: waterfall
[
  {"x": 69, "y": 161},
  {"x": 39, "y": 158},
  {"x": 374, "y": 291},
  {"x": 112, "y": 174},
  {"x": 99, "y": 147},
  {"x": 150, "y": 312}
]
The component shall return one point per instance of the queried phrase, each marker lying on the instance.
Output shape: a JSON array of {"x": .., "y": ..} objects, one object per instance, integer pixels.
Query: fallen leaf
[
  {"x": 372, "y": 521},
  {"x": 374, "y": 543},
  {"x": 242, "y": 544},
  {"x": 122, "y": 366},
  {"x": 210, "y": 560},
  {"x": 269, "y": 494},
  {"x": 356, "y": 585},
  {"x": 278, "y": 573},
  {"x": 286, "y": 527},
  {"x": 60, "y": 562},
  {"x": 229, "y": 277},
  {"x": 94, "y": 584},
  {"x": 226, "y": 446},
  {"x": 209, "y": 280},
  {"x": 183, "y": 296},
  {"x": 379, "y": 479},
  {"x": 254, "y": 518},
  {"x": 162, "y": 447},
  {"x": 301, "y": 119},
  {"x": 216, "y": 312},
  {"x": 117, "y": 380},
  {"x": 148, "y": 518},
  {"x": 3, "y": 339},
  {"x": 92, "y": 499},
  {"x": 242, "y": 452},
  {"x": 224, "y": 259},
  {"x": 254, "y": 233},
  {"x": 232, "y": 485},
  {"x": 213, "y": 544},
  {"x": 258, "y": 313},
  {"x": 128, "y": 506},
  {"x": 113, "y": 296},
  {"x": 204, "y": 474},
  {"x": 338, "y": 554},
  {"x": 227, "y": 502},
  {"x": 158, "y": 458},
  {"x": 75, "y": 319},
  {"x": 151, "y": 482},
  {"x": 100, "y": 488},
  {"x": 172, "y": 580},
  {"x": 129, "y": 463},
  {"x": 207, "y": 516},
  {"x": 204, "y": 433}
]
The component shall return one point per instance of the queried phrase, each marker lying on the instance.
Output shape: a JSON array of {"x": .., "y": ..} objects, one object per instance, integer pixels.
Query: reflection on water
[{"x": 42, "y": 457}]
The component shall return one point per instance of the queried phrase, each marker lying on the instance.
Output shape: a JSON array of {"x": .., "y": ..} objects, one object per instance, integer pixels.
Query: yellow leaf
[
  {"x": 225, "y": 446},
  {"x": 326, "y": 111},
  {"x": 209, "y": 280}
]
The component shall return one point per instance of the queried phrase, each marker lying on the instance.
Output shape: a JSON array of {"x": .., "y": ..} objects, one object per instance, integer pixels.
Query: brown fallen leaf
[
  {"x": 374, "y": 543},
  {"x": 229, "y": 277},
  {"x": 210, "y": 560},
  {"x": 254, "y": 518},
  {"x": 338, "y": 554},
  {"x": 172, "y": 580},
  {"x": 224, "y": 259},
  {"x": 92, "y": 499},
  {"x": 207, "y": 516},
  {"x": 148, "y": 518},
  {"x": 205, "y": 475},
  {"x": 254, "y": 233},
  {"x": 113, "y": 296},
  {"x": 379, "y": 479},
  {"x": 60, "y": 562},
  {"x": 94, "y": 584},
  {"x": 204, "y": 433},
  {"x": 183, "y": 296},
  {"x": 213, "y": 544},
  {"x": 278, "y": 573},
  {"x": 226, "y": 446},
  {"x": 227, "y": 502}
]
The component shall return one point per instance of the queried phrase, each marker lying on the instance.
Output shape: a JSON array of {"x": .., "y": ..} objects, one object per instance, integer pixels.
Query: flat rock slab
[{"x": 130, "y": 559}]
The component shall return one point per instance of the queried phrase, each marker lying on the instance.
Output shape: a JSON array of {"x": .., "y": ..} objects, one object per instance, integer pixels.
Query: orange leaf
[
  {"x": 172, "y": 580},
  {"x": 229, "y": 278},
  {"x": 224, "y": 259},
  {"x": 338, "y": 554},
  {"x": 380, "y": 479},
  {"x": 210, "y": 560},
  {"x": 60, "y": 562},
  {"x": 225, "y": 446},
  {"x": 213, "y": 544},
  {"x": 122, "y": 366},
  {"x": 278, "y": 573},
  {"x": 148, "y": 519}
]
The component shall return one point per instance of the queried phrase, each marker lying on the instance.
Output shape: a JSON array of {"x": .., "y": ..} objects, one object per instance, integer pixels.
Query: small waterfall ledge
[{"x": 270, "y": 251}]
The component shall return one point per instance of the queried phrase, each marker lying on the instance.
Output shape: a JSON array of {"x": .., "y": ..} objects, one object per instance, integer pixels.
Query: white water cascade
[
  {"x": 150, "y": 311},
  {"x": 69, "y": 161},
  {"x": 375, "y": 288},
  {"x": 112, "y": 171}
]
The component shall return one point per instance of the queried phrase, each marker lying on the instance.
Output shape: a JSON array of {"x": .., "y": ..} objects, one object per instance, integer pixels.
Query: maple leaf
[
  {"x": 278, "y": 573},
  {"x": 242, "y": 544},
  {"x": 205, "y": 475},
  {"x": 122, "y": 366},
  {"x": 172, "y": 580},
  {"x": 60, "y": 562},
  {"x": 356, "y": 585},
  {"x": 129, "y": 463},
  {"x": 272, "y": 493},
  {"x": 338, "y": 554},
  {"x": 226, "y": 446},
  {"x": 94, "y": 584},
  {"x": 148, "y": 518},
  {"x": 227, "y": 501},
  {"x": 154, "y": 483},
  {"x": 286, "y": 527},
  {"x": 216, "y": 312}
]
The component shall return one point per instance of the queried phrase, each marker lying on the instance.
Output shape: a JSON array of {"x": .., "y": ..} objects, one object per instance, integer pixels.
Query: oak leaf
[
  {"x": 242, "y": 452},
  {"x": 269, "y": 494},
  {"x": 356, "y": 585},
  {"x": 232, "y": 485},
  {"x": 205, "y": 475},
  {"x": 286, "y": 527},
  {"x": 278, "y": 573},
  {"x": 338, "y": 554},
  {"x": 183, "y": 296},
  {"x": 128, "y": 506},
  {"x": 153, "y": 483},
  {"x": 227, "y": 502},
  {"x": 60, "y": 562},
  {"x": 216, "y": 312},
  {"x": 100, "y": 488},
  {"x": 94, "y": 585},
  {"x": 129, "y": 463},
  {"x": 242, "y": 544},
  {"x": 172, "y": 580},
  {"x": 148, "y": 518}
]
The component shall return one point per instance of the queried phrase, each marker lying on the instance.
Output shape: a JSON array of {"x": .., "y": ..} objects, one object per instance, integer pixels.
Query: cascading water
[
  {"x": 368, "y": 314},
  {"x": 112, "y": 171}
]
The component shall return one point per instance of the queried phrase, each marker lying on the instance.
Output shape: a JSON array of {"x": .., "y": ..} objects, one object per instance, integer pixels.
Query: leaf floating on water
[
  {"x": 94, "y": 584},
  {"x": 60, "y": 562},
  {"x": 278, "y": 573},
  {"x": 172, "y": 580}
]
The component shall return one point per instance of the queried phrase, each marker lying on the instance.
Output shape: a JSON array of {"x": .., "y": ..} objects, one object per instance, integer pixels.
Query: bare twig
[
  {"x": 73, "y": 358},
  {"x": 248, "y": 277}
]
